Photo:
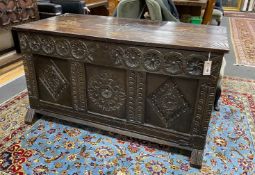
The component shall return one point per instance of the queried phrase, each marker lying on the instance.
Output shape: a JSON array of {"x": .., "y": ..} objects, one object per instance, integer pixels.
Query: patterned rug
[
  {"x": 239, "y": 14},
  {"x": 53, "y": 147},
  {"x": 243, "y": 37}
]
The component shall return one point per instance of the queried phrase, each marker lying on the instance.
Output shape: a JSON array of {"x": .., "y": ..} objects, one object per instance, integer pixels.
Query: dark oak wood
[
  {"x": 30, "y": 116},
  {"x": 138, "y": 78},
  {"x": 143, "y": 32}
]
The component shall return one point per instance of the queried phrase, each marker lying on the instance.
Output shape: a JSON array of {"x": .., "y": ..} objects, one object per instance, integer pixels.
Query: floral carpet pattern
[
  {"x": 12, "y": 114},
  {"x": 53, "y": 147},
  {"x": 243, "y": 37},
  {"x": 239, "y": 14}
]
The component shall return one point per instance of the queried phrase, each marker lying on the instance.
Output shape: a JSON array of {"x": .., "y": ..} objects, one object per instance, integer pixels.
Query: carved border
[
  {"x": 78, "y": 81},
  {"x": 138, "y": 58},
  {"x": 30, "y": 76},
  {"x": 203, "y": 111},
  {"x": 136, "y": 96}
]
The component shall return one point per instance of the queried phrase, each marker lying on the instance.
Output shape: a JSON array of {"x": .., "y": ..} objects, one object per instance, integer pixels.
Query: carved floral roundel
[
  {"x": 133, "y": 57},
  {"x": 152, "y": 60}
]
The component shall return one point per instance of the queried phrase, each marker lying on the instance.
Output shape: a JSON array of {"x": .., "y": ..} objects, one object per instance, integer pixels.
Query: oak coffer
[{"x": 139, "y": 78}]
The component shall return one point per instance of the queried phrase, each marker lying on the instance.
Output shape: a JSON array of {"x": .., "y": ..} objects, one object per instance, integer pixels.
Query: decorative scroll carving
[
  {"x": 117, "y": 55},
  {"x": 152, "y": 60},
  {"x": 48, "y": 45},
  {"x": 195, "y": 64},
  {"x": 78, "y": 86},
  {"x": 53, "y": 80},
  {"x": 30, "y": 76},
  {"x": 133, "y": 57},
  {"x": 173, "y": 63},
  {"x": 136, "y": 96},
  {"x": 169, "y": 103},
  {"x": 105, "y": 92},
  {"x": 79, "y": 49},
  {"x": 13, "y": 12},
  {"x": 63, "y": 47}
]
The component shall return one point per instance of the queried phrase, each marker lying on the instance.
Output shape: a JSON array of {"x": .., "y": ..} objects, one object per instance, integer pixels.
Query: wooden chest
[{"x": 139, "y": 78}]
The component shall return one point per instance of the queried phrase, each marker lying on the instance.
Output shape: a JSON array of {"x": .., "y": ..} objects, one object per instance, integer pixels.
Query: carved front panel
[
  {"x": 13, "y": 12},
  {"x": 170, "y": 102},
  {"x": 106, "y": 89},
  {"x": 53, "y": 79}
]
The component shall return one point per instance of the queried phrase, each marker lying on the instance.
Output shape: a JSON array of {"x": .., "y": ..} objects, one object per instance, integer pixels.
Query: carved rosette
[
  {"x": 48, "y": 45},
  {"x": 133, "y": 57},
  {"x": 173, "y": 63},
  {"x": 195, "y": 64},
  {"x": 79, "y": 49},
  {"x": 117, "y": 55},
  {"x": 169, "y": 103},
  {"x": 106, "y": 93},
  {"x": 34, "y": 43},
  {"x": 152, "y": 60},
  {"x": 62, "y": 47}
]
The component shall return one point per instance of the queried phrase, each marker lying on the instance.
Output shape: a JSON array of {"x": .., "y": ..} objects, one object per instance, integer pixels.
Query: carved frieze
[
  {"x": 53, "y": 80},
  {"x": 105, "y": 92},
  {"x": 138, "y": 58},
  {"x": 169, "y": 103}
]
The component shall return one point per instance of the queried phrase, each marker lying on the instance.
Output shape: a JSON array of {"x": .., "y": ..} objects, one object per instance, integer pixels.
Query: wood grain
[{"x": 132, "y": 31}]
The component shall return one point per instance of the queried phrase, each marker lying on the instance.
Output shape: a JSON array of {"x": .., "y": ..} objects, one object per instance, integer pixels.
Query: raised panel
[
  {"x": 53, "y": 77},
  {"x": 170, "y": 102},
  {"x": 106, "y": 91}
]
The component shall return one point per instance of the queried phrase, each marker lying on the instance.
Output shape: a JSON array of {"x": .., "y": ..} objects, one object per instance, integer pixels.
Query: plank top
[{"x": 133, "y": 31}]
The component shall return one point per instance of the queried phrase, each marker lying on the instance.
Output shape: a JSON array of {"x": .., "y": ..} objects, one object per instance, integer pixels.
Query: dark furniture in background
[
  {"x": 13, "y": 12},
  {"x": 187, "y": 8},
  {"x": 134, "y": 77},
  {"x": 49, "y": 8},
  {"x": 98, "y": 7}
]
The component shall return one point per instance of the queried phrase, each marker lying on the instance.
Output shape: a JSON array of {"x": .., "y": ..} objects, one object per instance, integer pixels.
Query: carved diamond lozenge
[
  {"x": 53, "y": 80},
  {"x": 169, "y": 103}
]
